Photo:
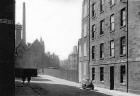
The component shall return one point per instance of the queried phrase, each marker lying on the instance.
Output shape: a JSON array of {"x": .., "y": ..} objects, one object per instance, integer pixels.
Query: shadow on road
[{"x": 46, "y": 89}]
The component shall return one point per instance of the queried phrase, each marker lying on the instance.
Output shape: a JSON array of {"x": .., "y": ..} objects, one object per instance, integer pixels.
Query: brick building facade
[{"x": 114, "y": 44}]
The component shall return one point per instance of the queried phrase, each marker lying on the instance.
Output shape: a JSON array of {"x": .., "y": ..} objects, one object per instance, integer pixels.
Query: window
[
  {"x": 101, "y": 27},
  {"x": 93, "y": 31},
  {"x": 101, "y": 73},
  {"x": 85, "y": 49},
  {"x": 102, "y": 50},
  {"x": 101, "y": 5},
  {"x": 85, "y": 30},
  {"x": 80, "y": 71},
  {"x": 112, "y": 2},
  {"x": 123, "y": 1},
  {"x": 123, "y": 17},
  {"x": 93, "y": 52},
  {"x": 93, "y": 73},
  {"x": 112, "y": 22},
  {"x": 122, "y": 74},
  {"x": 112, "y": 48},
  {"x": 85, "y": 68},
  {"x": 123, "y": 46},
  {"x": 80, "y": 51},
  {"x": 85, "y": 10},
  {"x": 93, "y": 10}
]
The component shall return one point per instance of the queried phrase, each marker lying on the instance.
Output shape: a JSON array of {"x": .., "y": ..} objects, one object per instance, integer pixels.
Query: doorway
[{"x": 111, "y": 77}]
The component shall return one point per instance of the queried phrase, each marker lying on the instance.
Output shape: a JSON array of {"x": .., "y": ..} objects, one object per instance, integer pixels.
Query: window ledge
[
  {"x": 122, "y": 27},
  {"x": 93, "y": 17},
  {"x": 102, "y": 81},
  {"x": 112, "y": 31},
  {"x": 101, "y": 11},
  {"x": 111, "y": 6},
  {"x": 101, "y": 35},
  {"x": 93, "y": 38},
  {"x": 93, "y": 81},
  {"x": 122, "y": 55},
  {"x": 85, "y": 36},
  {"x": 123, "y": 84},
  {"x": 112, "y": 57},
  {"x": 101, "y": 58},
  {"x": 93, "y": 59}
]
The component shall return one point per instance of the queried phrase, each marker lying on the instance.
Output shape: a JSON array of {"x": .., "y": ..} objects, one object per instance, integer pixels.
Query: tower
[
  {"x": 24, "y": 23},
  {"x": 18, "y": 30}
]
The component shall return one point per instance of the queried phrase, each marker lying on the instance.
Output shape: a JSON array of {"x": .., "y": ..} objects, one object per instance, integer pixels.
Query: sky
[{"x": 58, "y": 22}]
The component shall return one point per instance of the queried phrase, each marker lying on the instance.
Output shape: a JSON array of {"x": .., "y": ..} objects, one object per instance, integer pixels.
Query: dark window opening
[
  {"x": 122, "y": 73},
  {"x": 101, "y": 27},
  {"x": 112, "y": 2},
  {"x": 93, "y": 31},
  {"x": 102, "y": 50},
  {"x": 123, "y": 17},
  {"x": 112, "y": 22},
  {"x": 93, "y": 52},
  {"x": 93, "y": 10},
  {"x": 112, "y": 48},
  {"x": 93, "y": 73},
  {"x": 101, "y": 5},
  {"x": 101, "y": 73},
  {"x": 123, "y": 46}
]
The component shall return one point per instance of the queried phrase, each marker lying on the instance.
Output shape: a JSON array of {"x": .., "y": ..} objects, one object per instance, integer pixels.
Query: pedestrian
[
  {"x": 28, "y": 78},
  {"x": 23, "y": 77}
]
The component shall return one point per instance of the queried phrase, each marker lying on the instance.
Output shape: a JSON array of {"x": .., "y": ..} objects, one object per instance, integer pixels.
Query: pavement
[{"x": 98, "y": 89}]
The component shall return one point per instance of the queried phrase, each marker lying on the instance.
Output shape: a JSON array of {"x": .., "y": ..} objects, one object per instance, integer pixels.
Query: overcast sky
[{"x": 58, "y": 22}]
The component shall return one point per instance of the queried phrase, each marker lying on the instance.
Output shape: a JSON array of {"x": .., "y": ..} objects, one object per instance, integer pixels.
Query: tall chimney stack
[{"x": 24, "y": 22}]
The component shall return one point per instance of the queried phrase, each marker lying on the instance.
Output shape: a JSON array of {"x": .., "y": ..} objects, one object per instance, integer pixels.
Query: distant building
[
  {"x": 35, "y": 54},
  {"x": 18, "y": 34},
  {"x": 28, "y": 55},
  {"x": 73, "y": 59},
  {"x": 71, "y": 63},
  {"x": 64, "y": 64}
]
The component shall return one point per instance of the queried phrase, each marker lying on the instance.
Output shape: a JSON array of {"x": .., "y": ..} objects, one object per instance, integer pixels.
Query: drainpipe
[
  {"x": 78, "y": 62},
  {"x": 89, "y": 43},
  {"x": 127, "y": 52}
]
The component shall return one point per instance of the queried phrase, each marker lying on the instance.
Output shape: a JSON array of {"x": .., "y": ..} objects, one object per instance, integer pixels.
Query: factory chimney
[{"x": 24, "y": 22}]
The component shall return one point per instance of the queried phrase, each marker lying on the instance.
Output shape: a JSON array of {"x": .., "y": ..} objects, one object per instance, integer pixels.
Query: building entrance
[{"x": 111, "y": 77}]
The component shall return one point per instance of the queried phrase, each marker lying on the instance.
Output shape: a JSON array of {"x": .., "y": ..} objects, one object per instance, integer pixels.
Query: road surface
[{"x": 47, "y": 87}]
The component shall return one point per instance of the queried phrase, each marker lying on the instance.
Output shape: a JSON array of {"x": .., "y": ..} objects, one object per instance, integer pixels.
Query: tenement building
[
  {"x": 83, "y": 43},
  {"x": 114, "y": 44}
]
